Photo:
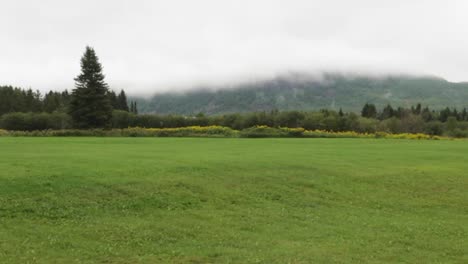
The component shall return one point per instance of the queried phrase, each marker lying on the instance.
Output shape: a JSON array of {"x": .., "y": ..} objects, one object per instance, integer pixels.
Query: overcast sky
[{"x": 149, "y": 46}]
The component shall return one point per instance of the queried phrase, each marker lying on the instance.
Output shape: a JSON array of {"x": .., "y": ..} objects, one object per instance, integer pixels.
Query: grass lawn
[{"x": 200, "y": 200}]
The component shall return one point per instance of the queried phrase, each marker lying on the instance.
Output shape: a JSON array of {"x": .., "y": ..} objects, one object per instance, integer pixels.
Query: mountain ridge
[{"x": 307, "y": 92}]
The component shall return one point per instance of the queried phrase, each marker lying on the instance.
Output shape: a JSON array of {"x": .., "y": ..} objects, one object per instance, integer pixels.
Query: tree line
[
  {"x": 89, "y": 105},
  {"x": 408, "y": 122},
  {"x": 370, "y": 111},
  {"x": 13, "y": 99},
  {"x": 93, "y": 105}
]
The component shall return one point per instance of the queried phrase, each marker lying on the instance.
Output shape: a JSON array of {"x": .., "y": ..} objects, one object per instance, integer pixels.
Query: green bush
[
  {"x": 15, "y": 121},
  {"x": 434, "y": 128},
  {"x": 121, "y": 119},
  {"x": 458, "y": 133},
  {"x": 262, "y": 132},
  {"x": 35, "y": 121},
  {"x": 61, "y": 133},
  {"x": 194, "y": 131},
  {"x": 219, "y": 131}
]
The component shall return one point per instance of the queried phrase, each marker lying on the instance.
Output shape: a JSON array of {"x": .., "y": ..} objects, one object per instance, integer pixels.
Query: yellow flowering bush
[
  {"x": 192, "y": 131},
  {"x": 293, "y": 132},
  {"x": 3, "y": 132},
  {"x": 217, "y": 131},
  {"x": 353, "y": 134},
  {"x": 331, "y": 134},
  {"x": 262, "y": 131}
]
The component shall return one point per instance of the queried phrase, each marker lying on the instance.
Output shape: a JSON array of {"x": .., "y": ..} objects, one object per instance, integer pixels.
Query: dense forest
[{"x": 307, "y": 93}]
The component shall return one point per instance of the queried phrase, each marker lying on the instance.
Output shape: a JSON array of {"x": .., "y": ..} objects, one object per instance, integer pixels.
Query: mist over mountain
[{"x": 307, "y": 92}]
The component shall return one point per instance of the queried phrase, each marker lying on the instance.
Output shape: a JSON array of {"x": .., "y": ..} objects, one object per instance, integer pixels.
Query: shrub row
[
  {"x": 217, "y": 131},
  {"x": 310, "y": 121},
  {"x": 35, "y": 121},
  {"x": 194, "y": 131},
  {"x": 264, "y": 131}
]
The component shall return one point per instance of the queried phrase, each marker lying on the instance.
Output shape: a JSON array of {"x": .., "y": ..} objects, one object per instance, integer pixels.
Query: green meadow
[{"x": 202, "y": 200}]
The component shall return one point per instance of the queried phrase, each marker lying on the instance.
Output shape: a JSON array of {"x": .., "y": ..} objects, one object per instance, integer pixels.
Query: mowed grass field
[{"x": 200, "y": 200}]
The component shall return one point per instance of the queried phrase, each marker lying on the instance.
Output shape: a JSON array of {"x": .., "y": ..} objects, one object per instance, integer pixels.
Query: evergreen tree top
[{"x": 91, "y": 75}]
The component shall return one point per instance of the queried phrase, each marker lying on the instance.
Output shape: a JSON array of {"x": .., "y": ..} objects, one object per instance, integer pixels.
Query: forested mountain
[{"x": 304, "y": 92}]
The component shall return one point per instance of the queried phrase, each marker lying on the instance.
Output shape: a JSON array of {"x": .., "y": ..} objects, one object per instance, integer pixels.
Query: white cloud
[{"x": 148, "y": 46}]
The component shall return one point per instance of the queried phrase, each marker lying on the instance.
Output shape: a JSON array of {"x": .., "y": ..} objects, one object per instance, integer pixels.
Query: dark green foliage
[
  {"x": 121, "y": 119},
  {"x": 14, "y": 99},
  {"x": 387, "y": 112},
  {"x": 35, "y": 121},
  {"x": 18, "y": 100},
  {"x": 122, "y": 101},
  {"x": 55, "y": 101},
  {"x": 464, "y": 115},
  {"x": 458, "y": 133},
  {"x": 416, "y": 110},
  {"x": 90, "y": 106},
  {"x": 211, "y": 131},
  {"x": 412, "y": 124},
  {"x": 451, "y": 123},
  {"x": 15, "y": 121},
  {"x": 133, "y": 107},
  {"x": 118, "y": 102},
  {"x": 445, "y": 114},
  {"x": 369, "y": 111},
  {"x": 113, "y": 99},
  {"x": 427, "y": 115},
  {"x": 402, "y": 120},
  {"x": 262, "y": 132},
  {"x": 32, "y": 101},
  {"x": 341, "y": 112},
  {"x": 434, "y": 128}
]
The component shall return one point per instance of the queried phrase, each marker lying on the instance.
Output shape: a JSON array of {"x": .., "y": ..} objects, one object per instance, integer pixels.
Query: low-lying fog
[{"x": 152, "y": 46}]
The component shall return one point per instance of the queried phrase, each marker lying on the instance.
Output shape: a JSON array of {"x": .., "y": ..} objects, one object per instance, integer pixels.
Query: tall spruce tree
[{"x": 90, "y": 106}]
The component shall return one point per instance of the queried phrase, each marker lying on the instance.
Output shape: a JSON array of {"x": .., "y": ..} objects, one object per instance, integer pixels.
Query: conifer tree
[
  {"x": 133, "y": 107},
  {"x": 417, "y": 111},
  {"x": 340, "y": 113},
  {"x": 387, "y": 112},
  {"x": 426, "y": 114},
  {"x": 369, "y": 111},
  {"x": 90, "y": 106},
  {"x": 365, "y": 110},
  {"x": 113, "y": 99},
  {"x": 122, "y": 101},
  {"x": 464, "y": 115}
]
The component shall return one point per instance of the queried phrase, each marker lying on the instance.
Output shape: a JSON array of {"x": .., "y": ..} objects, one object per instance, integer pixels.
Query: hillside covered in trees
[{"x": 305, "y": 92}]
